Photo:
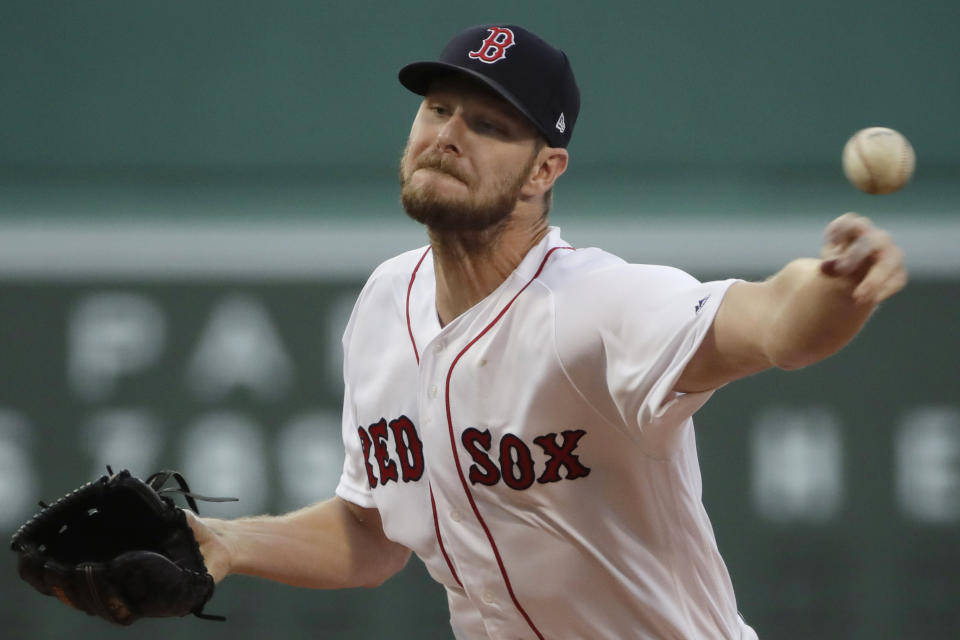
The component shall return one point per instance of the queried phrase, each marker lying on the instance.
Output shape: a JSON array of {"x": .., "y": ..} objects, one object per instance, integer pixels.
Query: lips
[
  {"x": 445, "y": 173},
  {"x": 436, "y": 163}
]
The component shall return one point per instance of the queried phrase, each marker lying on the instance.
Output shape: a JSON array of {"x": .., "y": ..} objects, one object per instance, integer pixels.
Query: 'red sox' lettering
[
  {"x": 388, "y": 468},
  {"x": 516, "y": 468},
  {"x": 406, "y": 444},
  {"x": 409, "y": 448},
  {"x": 512, "y": 461}
]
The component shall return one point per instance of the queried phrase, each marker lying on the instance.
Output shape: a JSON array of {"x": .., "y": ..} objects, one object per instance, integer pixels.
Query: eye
[{"x": 488, "y": 127}]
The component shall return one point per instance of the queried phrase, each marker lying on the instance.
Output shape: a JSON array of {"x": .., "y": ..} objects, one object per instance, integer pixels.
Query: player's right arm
[
  {"x": 804, "y": 313},
  {"x": 329, "y": 545}
]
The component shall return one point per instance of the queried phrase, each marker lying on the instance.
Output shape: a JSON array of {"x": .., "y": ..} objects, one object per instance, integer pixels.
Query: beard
[{"x": 487, "y": 205}]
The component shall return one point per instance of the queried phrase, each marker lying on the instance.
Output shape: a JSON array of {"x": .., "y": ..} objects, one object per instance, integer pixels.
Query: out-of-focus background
[{"x": 192, "y": 194}]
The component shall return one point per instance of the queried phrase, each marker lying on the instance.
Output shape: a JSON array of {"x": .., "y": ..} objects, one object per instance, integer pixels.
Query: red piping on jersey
[
  {"x": 433, "y": 503},
  {"x": 456, "y": 455},
  {"x": 436, "y": 526},
  {"x": 413, "y": 276}
]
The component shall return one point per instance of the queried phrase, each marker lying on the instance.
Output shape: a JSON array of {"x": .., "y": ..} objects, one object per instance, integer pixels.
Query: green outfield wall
[{"x": 309, "y": 88}]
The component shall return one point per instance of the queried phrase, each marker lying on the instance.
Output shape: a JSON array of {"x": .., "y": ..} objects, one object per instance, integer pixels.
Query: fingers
[
  {"x": 841, "y": 232},
  {"x": 854, "y": 248},
  {"x": 838, "y": 238},
  {"x": 862, "y": 250},
  {"x": 887, "y": 276}
]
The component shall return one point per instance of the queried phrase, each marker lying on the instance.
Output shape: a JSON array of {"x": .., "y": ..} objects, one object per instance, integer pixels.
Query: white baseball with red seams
[{"x": 533, "y": 453}]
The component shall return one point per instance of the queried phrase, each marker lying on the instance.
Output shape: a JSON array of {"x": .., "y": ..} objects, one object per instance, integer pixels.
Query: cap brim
[{"x": 417, "y": 77}]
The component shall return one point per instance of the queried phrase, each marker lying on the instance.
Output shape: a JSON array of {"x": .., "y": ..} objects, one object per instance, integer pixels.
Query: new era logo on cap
[{"x": 524, "y": 70}]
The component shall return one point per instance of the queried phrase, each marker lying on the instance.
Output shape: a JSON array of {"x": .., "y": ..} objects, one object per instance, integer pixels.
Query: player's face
[{"x": 467, "y": 160}]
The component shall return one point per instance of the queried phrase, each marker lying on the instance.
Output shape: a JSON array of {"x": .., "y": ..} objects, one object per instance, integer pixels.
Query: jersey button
[
  {"x": 438, "y": 347},
  {"x": 456, "y": 516},
  {"x": 433, "y": 391},
  {"x": 488, "y": 597}
]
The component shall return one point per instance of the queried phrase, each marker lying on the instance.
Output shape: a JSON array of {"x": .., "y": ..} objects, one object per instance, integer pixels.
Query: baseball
[{"x": 878, "y": 160}]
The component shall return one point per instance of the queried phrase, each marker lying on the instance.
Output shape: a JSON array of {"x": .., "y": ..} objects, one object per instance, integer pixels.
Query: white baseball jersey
[{"x": 533, "y": 452}]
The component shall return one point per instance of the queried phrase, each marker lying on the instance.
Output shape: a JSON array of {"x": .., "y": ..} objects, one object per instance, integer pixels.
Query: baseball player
[{"x": 517, "y": 411}]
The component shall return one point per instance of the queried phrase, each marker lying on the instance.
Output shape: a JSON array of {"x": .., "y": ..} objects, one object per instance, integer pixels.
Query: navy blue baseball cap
[{"x": 526, "y": 71}]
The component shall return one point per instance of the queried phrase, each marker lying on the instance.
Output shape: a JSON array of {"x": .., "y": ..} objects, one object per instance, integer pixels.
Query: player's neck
[{"x": 469, "y": 266}]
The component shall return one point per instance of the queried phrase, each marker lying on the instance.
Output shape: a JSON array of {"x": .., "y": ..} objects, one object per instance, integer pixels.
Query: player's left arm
[{"x": 807, "y": 311}]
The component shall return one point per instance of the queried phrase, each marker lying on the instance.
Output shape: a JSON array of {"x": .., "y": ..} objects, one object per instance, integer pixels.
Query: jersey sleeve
[
  {"x": 354, "y": 485},
  {"x": 636, "y": 327}
]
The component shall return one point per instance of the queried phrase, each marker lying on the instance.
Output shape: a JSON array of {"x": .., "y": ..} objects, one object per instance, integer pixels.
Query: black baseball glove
[{"x": 118, "y": 548}]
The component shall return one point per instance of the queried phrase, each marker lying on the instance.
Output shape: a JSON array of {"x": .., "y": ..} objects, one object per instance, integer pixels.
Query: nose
[{"x": 450, "y": 135}]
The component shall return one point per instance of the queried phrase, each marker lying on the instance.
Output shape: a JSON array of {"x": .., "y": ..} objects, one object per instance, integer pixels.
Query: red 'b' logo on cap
[{"x": 494, "y": 48}]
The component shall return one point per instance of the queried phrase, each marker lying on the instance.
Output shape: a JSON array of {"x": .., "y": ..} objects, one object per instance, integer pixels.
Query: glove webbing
[{"x": 160, "y": 478}]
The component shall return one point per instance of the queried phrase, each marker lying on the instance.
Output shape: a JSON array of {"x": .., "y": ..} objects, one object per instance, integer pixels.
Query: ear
[{"x": 550, "y": 164}]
